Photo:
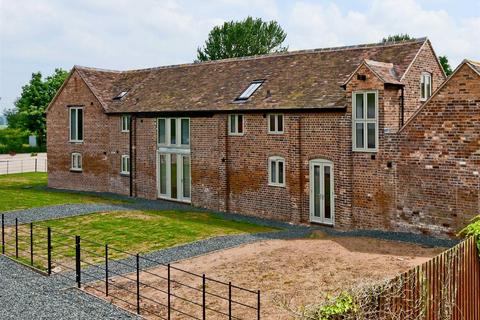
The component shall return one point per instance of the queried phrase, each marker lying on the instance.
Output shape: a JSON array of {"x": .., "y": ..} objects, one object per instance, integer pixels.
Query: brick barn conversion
[{"x": 369, "y": 136}]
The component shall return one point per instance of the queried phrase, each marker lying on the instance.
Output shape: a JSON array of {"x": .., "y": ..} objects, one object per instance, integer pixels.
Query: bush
[
  {"x": 16, "y": 141},
  {"x": 473, "y": 229}
]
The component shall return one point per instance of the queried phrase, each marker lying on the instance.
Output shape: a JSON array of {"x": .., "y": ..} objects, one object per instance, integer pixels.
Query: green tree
[
  {"x": 445, "y": 65},
  {"x": 29, "y": 111},
  {"x": 397, "y": 38},
  {"x": 242, "y": 38}
]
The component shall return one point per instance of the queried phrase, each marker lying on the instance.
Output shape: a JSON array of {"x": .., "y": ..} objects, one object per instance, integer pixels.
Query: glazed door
[
  {"x": 321, "y": 192},
  {"x": 173, "y": 176}
]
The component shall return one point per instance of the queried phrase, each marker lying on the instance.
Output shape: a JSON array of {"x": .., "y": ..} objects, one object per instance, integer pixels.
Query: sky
[{"x": 41, "y": 35}]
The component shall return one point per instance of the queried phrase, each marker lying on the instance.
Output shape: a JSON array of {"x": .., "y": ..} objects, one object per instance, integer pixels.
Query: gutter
[{"x": 130, "y": 146}]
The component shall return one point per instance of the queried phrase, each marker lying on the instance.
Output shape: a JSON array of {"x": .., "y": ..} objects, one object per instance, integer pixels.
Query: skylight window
[
  {"x": 250, "y": 90},
  {"x": 120, "y": 95}
]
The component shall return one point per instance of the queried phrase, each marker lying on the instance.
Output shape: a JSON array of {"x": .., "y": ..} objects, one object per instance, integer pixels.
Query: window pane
[
  {"x": 161, "y": 131},
  {"x": 73, "y": 124},
  {"x": 280, "y": 123},
  {"x": 233, "y": 127},
  {"x": 359, "y": 143},
  {"x": 273, "y": 171},
  {"x": 173, "y": 131},
  {"x": 359, "y": 105},
  {"x": 272, "y": 122},
  {"x": 186, "y": 176},
  {"x": 80, "y": 124},
  {"x": 422, "y": 88},
  {"x": 371, "y": 105},
  {"x": 240, "y": 123},
  {"x": 280, "y": 171},
  {"x": 185, "y": 131},
  {"x": 163, "y": 174},
  {"x": 316, "y": 191},
  {"x": 327, "y": 192},
  {"x": 371, "y": 135},
  {"x": 173, "y": 175}
]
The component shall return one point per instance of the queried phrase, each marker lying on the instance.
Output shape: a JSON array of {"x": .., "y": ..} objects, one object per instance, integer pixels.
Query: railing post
[
  {"x": 3, "y": 234},
  {"x": 49, "y": 250},
  {"x": 78, "y": 271},
  {"x": 31, "y": 243},
  {"x": 16, "y": 238},
  {"x": 230, "y": 301},
  {"x": 169, "y": 292},
  {"x": 106, "y": 270},
  {"x": 138, "y": 283},
  {"x": 204, "y": 297},
  {"x": 35, "y": 164},
  {"x": 258, "y": 305}
]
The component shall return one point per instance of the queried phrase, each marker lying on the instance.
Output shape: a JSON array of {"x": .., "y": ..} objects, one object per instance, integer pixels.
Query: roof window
[
  {"x": 247, "y": 93},
  {"x": 120, "y": 95}
]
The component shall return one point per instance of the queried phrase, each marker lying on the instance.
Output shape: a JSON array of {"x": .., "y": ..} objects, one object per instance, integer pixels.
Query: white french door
[
  {"x": 322, "y": 207},
  {"x": 174, "y": 176}
]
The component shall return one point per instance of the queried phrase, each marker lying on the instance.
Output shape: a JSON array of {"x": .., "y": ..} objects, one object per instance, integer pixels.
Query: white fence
[{"x": 9, "y": 166}]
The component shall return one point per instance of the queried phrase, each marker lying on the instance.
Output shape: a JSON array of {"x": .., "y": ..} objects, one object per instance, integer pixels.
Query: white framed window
[
  {"x": 365, "y": 121},
  {"x": 276, "y": 171},
  {"x": 173, "y": 132},
  {"x": 125, "y": 164},
  {"x": 250, "y": 90},
  {"x": 235, "y": 124},
  {"x": 76, "y": 162},
  {"x": 76, "y": 124},
  {"x": 125, "y": 123},
  {"x": 275, "y": 123},
  {"x": 425, "y": 86}
]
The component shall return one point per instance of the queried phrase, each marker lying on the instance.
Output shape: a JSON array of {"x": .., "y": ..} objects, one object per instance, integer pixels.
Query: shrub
[
  {"x": 473, "y": 229},
  {"x": 16, "y": 141}
]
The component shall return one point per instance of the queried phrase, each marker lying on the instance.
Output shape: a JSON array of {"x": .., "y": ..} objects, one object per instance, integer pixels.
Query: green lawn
[{"x": 23, "y": 191}]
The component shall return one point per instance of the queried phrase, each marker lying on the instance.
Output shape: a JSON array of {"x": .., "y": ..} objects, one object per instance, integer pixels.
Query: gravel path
[{"x": 25, "y": 294}]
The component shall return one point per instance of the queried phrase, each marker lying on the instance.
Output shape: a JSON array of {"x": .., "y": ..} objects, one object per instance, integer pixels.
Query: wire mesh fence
[
  {"x": 138, "y": 283},
  {"x": 11, "y": 166}
]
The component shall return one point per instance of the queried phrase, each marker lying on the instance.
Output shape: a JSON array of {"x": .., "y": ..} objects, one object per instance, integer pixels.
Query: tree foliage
[
  {"x": 445, "y": 65},
  {"x": 29, "y": 111},
  {"x": 242, "y": 38},
  {"x": 397, "y": 38}
]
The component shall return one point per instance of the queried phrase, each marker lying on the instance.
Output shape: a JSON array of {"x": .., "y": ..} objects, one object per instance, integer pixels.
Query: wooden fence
[{"x": 445, "y": 287}]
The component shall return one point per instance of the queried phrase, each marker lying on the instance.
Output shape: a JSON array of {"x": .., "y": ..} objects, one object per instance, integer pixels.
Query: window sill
[
  {"x": 76, "y": 170},
  {"x": 365, "y": 151},
  {"x": 275, "y": 133},
  {"x": 125, "y": 131},
  {"x": 76, "y": 141},
  {"x": 236, "y": 134},
  {"x": 276, "y": 185},
  {"x": 125, "y": 174}
]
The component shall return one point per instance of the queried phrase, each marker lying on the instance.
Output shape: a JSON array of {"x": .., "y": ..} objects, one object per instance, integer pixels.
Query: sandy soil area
[{"x": 299, "y": 272}]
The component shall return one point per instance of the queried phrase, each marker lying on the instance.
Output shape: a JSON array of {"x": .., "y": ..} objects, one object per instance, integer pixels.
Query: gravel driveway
[{"x": 25, "y": 294}]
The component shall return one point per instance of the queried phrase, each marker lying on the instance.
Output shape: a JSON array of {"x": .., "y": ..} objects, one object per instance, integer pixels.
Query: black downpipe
[
  {"x": 130, "y": 156},
  {"x": 402, "y": 108}
]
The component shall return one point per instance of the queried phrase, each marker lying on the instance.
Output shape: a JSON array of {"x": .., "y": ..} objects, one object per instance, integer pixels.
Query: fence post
[
  {"x": 49, "y": 250},
  {"x": 31, "y": 243},
  {"x": 258, "y": 305},
  {"x": 3, "y": 234},
  {"x": 35, "y": 164},
  {"x": 138, "y": 283},
  {"x": 77, "y": 261},
  {"x": 168, "y": 292},
  {"x": 16, "y": 238},
  {"x": 106, "y": 270},
  {"x": 230, "y": 301},
  {"x": 203, "y": 297}
]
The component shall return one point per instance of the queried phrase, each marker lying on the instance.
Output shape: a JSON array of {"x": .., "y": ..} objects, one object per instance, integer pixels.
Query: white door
[
  {"x": 322, "y": 205},
  {"x": 173, "y": 176}
]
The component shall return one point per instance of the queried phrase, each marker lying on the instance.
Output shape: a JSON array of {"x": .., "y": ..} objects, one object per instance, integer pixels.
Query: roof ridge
[{"x": 268, "y": 55}]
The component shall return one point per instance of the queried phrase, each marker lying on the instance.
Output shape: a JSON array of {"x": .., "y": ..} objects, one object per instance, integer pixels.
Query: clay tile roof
[
  {"x": 475, "y": 65},
  {"x": 301, "y": 79}
]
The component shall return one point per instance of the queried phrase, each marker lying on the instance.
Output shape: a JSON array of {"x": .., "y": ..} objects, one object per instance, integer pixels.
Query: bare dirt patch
[{"x": 300, "y": 271}]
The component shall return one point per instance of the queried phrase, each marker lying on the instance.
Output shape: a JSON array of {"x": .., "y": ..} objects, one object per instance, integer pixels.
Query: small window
[
  {"x": 76, "y": 164},
  {"x": 365, "y": 122},
  {"x": 425, "y": 86},
  {"x": 125, "y": 165},
  {"x": 276, "y": 171},
  {"x": 76, "y": 124},
  {"x": 247, "y": 93},
  {"x": 235, "y": 124},
  {"x": 120, "y": 95},
  {"x": 126, "y": 123},
  {"x": 173, "y": 132},
  {"x": 275, "y": 123}
]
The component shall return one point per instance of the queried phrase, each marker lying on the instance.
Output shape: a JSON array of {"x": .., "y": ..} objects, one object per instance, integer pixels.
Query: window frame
[
  {"x": 276, "y": 131},
  {"x": 423, "y": 87},
  {"x": 178, "y": 132},
  {"x": 276, "y": 159},
  {"x": 126, "y": 126},
  {"x": 236, "y": 133},
  {"x": 72, "y": 162},
  {"x": 365, "y": 121},
  {"x": 255, "y": 84},
  {"x": 70, "y": 124},
  {"x": 127, "y": 171}
]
